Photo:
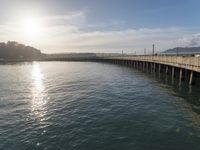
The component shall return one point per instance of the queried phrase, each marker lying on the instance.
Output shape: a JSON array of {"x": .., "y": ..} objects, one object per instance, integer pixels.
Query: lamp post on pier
[{"x": 153, "y": 49}]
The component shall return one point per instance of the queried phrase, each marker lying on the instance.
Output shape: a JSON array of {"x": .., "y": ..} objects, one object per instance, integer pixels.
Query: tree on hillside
[{"x": 14, "y": 50}]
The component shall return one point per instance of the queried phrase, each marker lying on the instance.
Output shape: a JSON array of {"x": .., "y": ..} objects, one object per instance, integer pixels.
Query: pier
[{"x": 183, "y": 67}]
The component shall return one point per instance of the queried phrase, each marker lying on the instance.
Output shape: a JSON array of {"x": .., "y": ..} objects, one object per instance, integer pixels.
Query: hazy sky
[{"x": 100, "y": 25}]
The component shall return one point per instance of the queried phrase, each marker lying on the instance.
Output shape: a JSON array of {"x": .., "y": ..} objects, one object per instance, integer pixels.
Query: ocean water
[{"x": 94, "y": 106}]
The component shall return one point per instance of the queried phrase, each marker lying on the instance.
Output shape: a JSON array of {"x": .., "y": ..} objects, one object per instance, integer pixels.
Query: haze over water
[{"x": 83, "y": 105}]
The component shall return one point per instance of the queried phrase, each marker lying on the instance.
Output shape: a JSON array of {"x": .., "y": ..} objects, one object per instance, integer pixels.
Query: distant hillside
[
  {"x": 183, "y": 50},
  {"x": 14, "y": 50}
]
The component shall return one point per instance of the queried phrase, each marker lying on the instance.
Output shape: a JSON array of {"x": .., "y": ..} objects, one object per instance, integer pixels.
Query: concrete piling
[
  {"x": 180, "y": 76},
  {"x": 172, "y": 75},
  {"x": 154, "y": 67},
  {"x": 166, "y": 71},
  {"x": 191, "y": 78}
]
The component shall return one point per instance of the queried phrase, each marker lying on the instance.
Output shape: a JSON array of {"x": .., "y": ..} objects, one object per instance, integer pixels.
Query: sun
[{"x": 31, "y": 27}]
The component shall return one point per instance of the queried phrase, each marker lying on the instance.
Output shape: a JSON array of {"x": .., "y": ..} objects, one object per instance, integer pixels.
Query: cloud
[
  {"x": 191, "y": 40},
  {"x": 68, "y": 17},
  {"x": 194, "y": 42},
  {"x": 74, "y": 18},
  {"x": 72, "y": 33},
  {"x": 114, "y": 41}
]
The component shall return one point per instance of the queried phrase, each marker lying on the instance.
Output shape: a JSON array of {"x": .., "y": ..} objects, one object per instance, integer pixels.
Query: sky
[{"x": 102, "y": 26}]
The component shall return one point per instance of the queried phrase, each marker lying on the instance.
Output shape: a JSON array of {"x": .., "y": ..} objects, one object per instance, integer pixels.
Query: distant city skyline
[{"x": 101, "y": 25}]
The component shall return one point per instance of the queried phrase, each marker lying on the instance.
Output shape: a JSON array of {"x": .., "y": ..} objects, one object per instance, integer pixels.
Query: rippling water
[{"x": 90, "y": 106}]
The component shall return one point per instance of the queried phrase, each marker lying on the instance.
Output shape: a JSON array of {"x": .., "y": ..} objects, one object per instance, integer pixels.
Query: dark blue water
[{"x": 93, "y": 106}]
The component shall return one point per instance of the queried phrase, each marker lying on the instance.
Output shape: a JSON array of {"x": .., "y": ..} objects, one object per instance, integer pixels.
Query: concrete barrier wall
[{"x": 186, "y": 62}]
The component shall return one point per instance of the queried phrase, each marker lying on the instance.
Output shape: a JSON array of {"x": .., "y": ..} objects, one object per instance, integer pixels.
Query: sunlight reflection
[{"x": 38, "y": 91}]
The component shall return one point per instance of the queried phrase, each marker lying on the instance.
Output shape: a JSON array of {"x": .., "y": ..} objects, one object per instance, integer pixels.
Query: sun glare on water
[{"x": 39, "y": 96}]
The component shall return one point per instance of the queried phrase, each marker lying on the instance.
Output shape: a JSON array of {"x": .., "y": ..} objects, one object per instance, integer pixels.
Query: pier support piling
[
  {"x": 166, "y": 70},
  {"x": 172, "y": 72},
  {"x": 172, "y": 75},
  {"x": 143, "y": 66},
  {"x": 180, "y": 76},
  {"x": 159, "y": 68},
  {"x": 191, "y": 78}
]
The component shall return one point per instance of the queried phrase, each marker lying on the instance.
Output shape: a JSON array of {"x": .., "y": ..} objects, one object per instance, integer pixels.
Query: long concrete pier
[{"x": 185, "y": 67}]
